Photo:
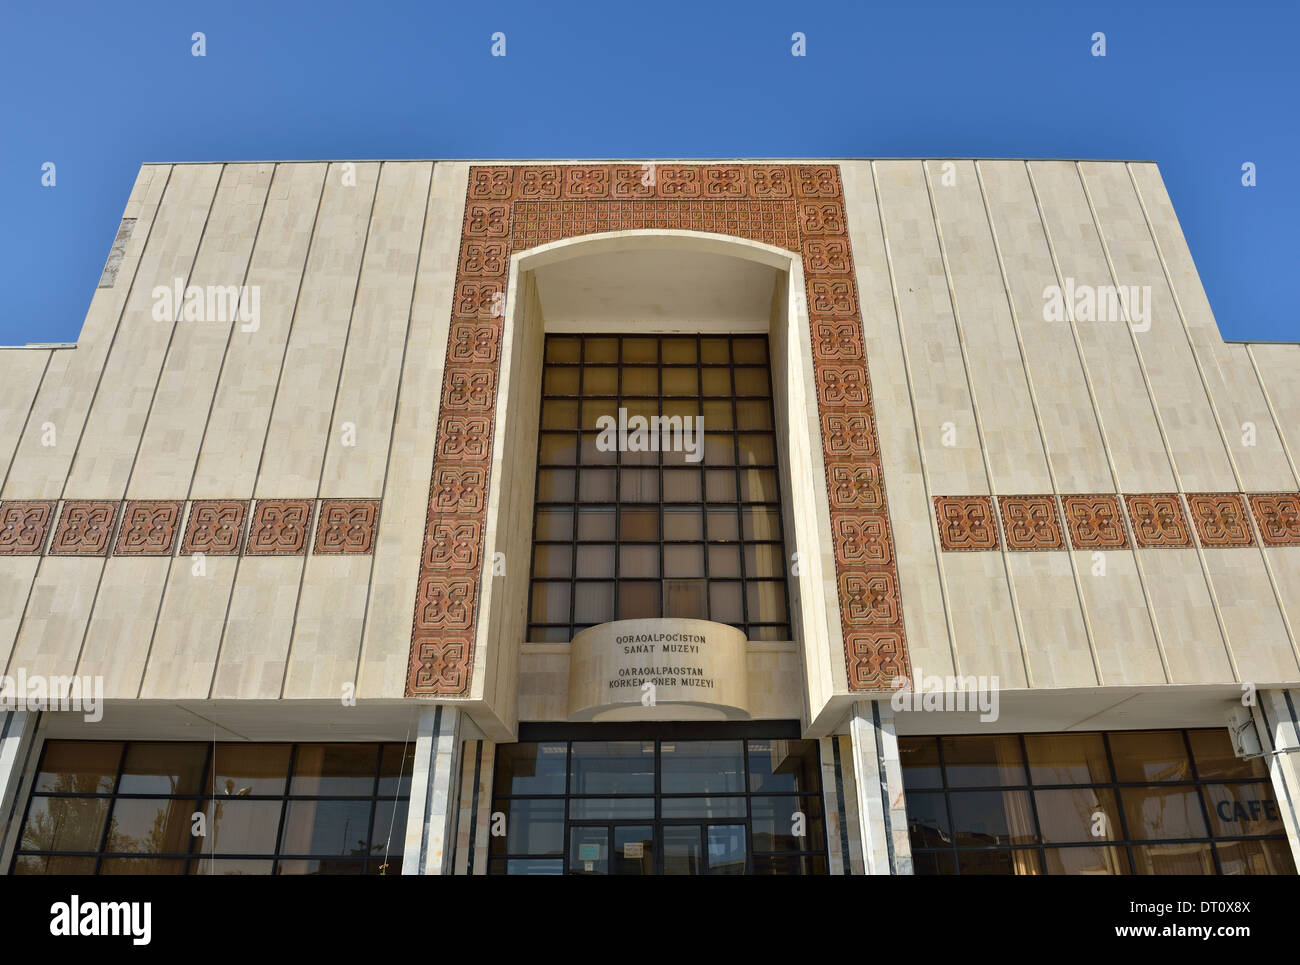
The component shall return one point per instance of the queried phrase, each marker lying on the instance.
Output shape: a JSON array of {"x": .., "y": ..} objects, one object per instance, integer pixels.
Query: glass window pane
[
  {"x": 719, "y": 449},
  {"x": 231, "y": 866},
  {"x": 612, "y": 767},
  {"x": 757, "y": 449},
  {"x": 79, "y": 767},
  {"x": 764, "y": 560},
  {"x": 1212, "y": 751},
  {"x": 686, "y": 599},
  {"x": 720, "y": 485},
  {"x": 704, "y": 807},
  {"x": 395, "y": 769},
  {"x": 754, "y": 415},
  {"x": 724, "y": 524},
  {"x": 989, "y": 818},
  {"x": 599, "y": 381},
  {"x": 530, "y": 768},
  {"x": 597, "y": 485},
  {"x": 1261, "y": 857},
  {"x": 595, "y": 450},
  {"x": 682, "y": 486},
  {"x": 600, "y": 350},
  {"x": 634, "y": 850},
  {"x": 1173, "y": 859},
  {"x": 550, "y": 603},
  {"x": 724, "y": 562},
  {"x": 784, "y": 766},
  {"x": 683, "y": 854},
  {"x": 589, "y": 851},
  {"x": 554, "y": 524},
  {"x": 1087, "y": 861},
  {"x": 927, "y": 820},
  {"x": 1238, "y": 810},
  {"x": 335, "y": 769},
  {"x": 151, "y": 826},
  {"x": 717, "y": 412},
  {"x": 641, "y": 350},
  {"x": 750, "y": 350},
  {"x": 727, "y": 849},
  {"x": 766, "y": 601},
  {"x": 638, "y": 525},
  {"x": 560, "y": 382},
  {"x": 700, "y": 767},
  {"x": 64, "y": 824},
  {"x": 593, "y": 415},
  {"x": 983, "y": 761},
  {"x": 611, "y": 808},
  {"x": 790, "y": 864},
  {"x": 563, "y": 349},
  {"x": 559, "y": 414},
  {"x": 1019, "y": 862},
  {"x": 638, "y": 600},
  {"x": 638, "y": 562},
  {"x": 683, "y": 562},
  {"x": 681, "y": 382},
  {"x": 338, "y": 828},
  {"x": 595, "y": 560},
  {"x": 1158, "y": 812},
  {"x": 32, "y": 864},
  {"x": 142, "y": 866},
  {"x": 321, "y": 866},
  {"x": 557, "y": 448},
  {"x": 679, "y": 350},
  {"x": 555, "y": 485},
  {"x": 639, "y": 486},
  {"x": 242, "y": 827},
  {"x": 758, "y": 486},
  {"x": 1086, "y": 814},
  {"x": 787, "y": 824},
  {"x": 717, "y": 383},
  {"x": 596, "y": 524},
  {"x": 920, "y": 760},
  {"x": 640, "y": 380},
  {"x": 532, "y": 827},
  {"x": 682, "y": 523},
  {"x": 1154, "y": 755},
  {"x": 750, "y": 381},
  {"x": 715, "y": 351},
  {"x": 163, "y": 768},
  {"x": 725, "y": 602},
  {"x": 244, "y": 769},
  {"x": 1067, "y": 758},
  {"x": 593, "y": 602},
  {"x": 760, "y": 523},
  {"x": 552, "y": 562}
]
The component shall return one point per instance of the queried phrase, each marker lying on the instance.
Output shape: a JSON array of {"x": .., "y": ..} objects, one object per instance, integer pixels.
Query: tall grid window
[
  {"x": 116, "y": 807},
  {"x": 1136, "y": 802},
  {"x": 624, "y": 531}
]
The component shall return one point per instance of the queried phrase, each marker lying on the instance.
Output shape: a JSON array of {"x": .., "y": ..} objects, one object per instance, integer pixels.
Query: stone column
[
  {"x": 17, "y": 744},
  {"x": 878, "y": 775},
  {"x": 431, "y": 816},
  {"x": 474, "y": 825},
  {"x": 1277, "y": 719}
]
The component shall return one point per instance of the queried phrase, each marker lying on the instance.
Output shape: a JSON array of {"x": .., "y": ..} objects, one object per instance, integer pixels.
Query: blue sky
[{"x": 1200, "y": 87}]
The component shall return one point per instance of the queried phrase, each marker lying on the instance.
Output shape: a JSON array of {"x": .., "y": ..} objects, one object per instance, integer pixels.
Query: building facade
[{"x": 743, "y": 517}]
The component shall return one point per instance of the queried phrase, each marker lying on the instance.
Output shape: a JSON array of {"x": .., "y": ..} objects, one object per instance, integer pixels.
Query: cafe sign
[{"x": 662, "y": 669}]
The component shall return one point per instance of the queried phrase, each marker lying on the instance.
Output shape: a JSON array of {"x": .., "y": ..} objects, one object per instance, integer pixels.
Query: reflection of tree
[{"x": 67, "y": 824}]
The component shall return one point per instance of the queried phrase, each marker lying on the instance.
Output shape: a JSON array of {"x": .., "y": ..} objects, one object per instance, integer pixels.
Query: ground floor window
[
  {"x": 630, "y": 802},
  {"x": 1137, "y": 802},
  {"x": 119, "y": 807}
]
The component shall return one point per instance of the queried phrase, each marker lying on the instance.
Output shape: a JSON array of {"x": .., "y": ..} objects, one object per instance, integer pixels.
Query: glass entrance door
[{"x": 658, "y": 849}]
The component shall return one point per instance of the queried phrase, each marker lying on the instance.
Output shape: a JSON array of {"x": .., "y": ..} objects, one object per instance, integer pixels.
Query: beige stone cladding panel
[
  {"x": 1188, "y": 625},
  {"x": 21, "y": 371},
  {"x": 1000, "y": 390},
  {"x": 941, "y": 394},
  {"x": 1284, "y": 562},
  {"x": 775, "y": 673},
  {"x": 1044, "y": 593},
  {"x": 122, "y": 624},
  {"x": 54, "y": 623},
  {"x": 178, "y": 415},
  {"x": 928, "y": 641},
  {"x": 1229, "y": 375},
  {"x": 978, "y": 591},
  {"x": 185, "y": 642},
  {"x": 1198, "y": 452},
  {"x": 1066, "y": 416},
  {"x": 294, "y": 453},
  {"x": 1123, "y": 406},
  {"x": 1123, "y": 631},
  {"x": 325, "y": 650},
  {"x": 544, "y": 682},
  {"x": 1251, "y": 618},
  {"x": 39, "y": 471},
  {"x": 108, "y": 446},
  {"x": 385, "y": 650},
  {"x": 16, "y": 576},
  {"x": 258, "y": 628},
  {"x": 1279, "y": 374},
  {"x": 241, "y": 407}
]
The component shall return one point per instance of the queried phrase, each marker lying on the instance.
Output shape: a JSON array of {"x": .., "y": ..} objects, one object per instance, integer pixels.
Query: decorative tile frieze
[
  {"x": 1278, "y": 517},
  {"x": 347, "y": 526},
  {"x": 1221, "y": 519},
  {"x": 966, "y": 523},
  {"x": 1031, "y": 523},
  {"x": 215, "y": 527},
  {"x": 25, "y": 526},
  {"x": 280, "y": 527},
  {"x": 1095, "y": 522},
  {"x": 85, "y": 528},
  {"x": 149, "y": 527},
  {"x": 1158, "y": 521},
  {"x": 796, "y": 207}
]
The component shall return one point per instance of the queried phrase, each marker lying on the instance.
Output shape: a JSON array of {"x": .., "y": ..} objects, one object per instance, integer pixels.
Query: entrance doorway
[{"x": 677, "y": 799}]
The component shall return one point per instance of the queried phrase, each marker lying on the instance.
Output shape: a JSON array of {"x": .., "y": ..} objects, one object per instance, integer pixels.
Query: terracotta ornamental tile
[
  {"x": 24, "y": 526},
  {"x": 215, "y": 527},
  {"x": 149, "y": 527},
  {"x": 1158, "y": 520},
  {"x": 1278, "y": 517},
  {"x": 1031, "y": 523},
  {"x": 280, "y": 527},
  {"x": 1220, "y": 519},
  {"x": 1095, "y": 522},
  {"x": 511, "y": 208},
  {"x": 966, "y": 523},
  {"x": 85, "y": 528},
  {"x": 346, "y": 526}
]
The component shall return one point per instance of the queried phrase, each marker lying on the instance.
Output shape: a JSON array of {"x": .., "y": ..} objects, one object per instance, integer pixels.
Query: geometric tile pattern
[
  {"x": 347, "y": 526},
  {"x": 1031, "y": 523},
  {"x": 1220, "y": 519},
  {"x": 280, "y": 527},
  {"x": 1095, "y": 522},
  {"x": 799, "y": 207},
  {"x": 215, "y": 527},
  {"x": 1158, "y": 520},
  {"x": 149, "y": 528},
  {"x": 85, "y": 528},
  {"x": 966, "y": 523},
  {"x": 24, "y": 526},
  {"x": 1278, "y": 517}
]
